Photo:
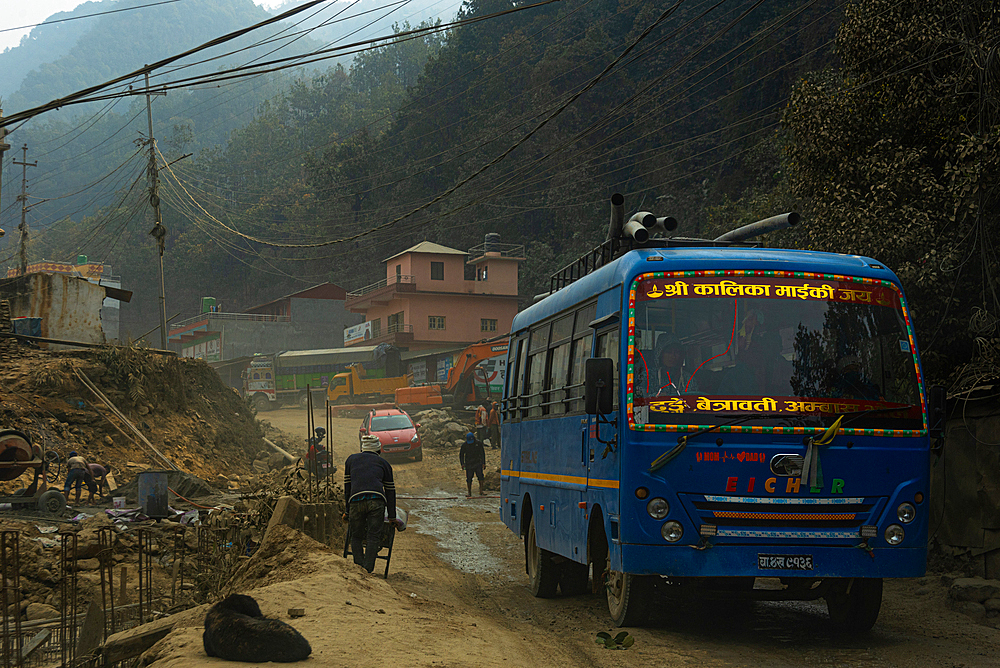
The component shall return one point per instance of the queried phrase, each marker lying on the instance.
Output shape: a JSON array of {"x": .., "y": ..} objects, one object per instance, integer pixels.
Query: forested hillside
[{"x": 715, "y": 113}]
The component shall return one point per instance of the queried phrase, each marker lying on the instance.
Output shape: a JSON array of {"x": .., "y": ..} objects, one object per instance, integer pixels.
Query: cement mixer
[{"x": 17, "y": 455}]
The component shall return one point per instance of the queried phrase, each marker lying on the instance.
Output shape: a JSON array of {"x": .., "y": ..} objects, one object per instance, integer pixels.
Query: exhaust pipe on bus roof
[
  {"x": 638, "y": 226},
  {"x": 617, "y": 216},
  {"x": 760, "y": 227},
  {"x": 664, "y": 225}
]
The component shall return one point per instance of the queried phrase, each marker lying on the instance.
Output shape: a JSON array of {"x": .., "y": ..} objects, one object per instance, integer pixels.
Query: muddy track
[{"x": 458, "y": 555}]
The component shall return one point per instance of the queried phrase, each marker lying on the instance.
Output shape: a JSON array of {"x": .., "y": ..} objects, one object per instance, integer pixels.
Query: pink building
[{"x": 435, "y": 297}]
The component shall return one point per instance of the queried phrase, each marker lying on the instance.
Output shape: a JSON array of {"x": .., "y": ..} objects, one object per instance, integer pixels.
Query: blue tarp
[{"x": 27, "y": 326}]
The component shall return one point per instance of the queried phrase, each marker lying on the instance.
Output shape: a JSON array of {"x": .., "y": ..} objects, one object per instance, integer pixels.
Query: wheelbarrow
[{"x": 388, "y": 536}]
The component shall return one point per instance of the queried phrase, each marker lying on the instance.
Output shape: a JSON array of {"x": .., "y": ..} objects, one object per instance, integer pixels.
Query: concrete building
[
  {"x": 438, "y": 297},
  {"x": 69, "y": 308},
  {"x": 309, "y": 319}
]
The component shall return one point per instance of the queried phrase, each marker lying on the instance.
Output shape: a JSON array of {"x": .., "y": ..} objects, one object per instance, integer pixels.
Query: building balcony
[
  {"x": 395, "y": 335},
  {"x": 380, "y": 293}
]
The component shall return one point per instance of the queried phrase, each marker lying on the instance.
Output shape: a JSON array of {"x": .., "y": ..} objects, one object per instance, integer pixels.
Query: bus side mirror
[
  {"x": 598, "y": 386},
  {"x": 937, "y": 397}
]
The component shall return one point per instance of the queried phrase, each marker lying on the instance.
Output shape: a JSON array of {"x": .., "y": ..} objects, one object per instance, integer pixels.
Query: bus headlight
[
  {"x": 658, "y": 508},
  {"x": 906, "y": 512},
  {"x": 894, "y": 534},
  {"x": 672, "y": 531}
]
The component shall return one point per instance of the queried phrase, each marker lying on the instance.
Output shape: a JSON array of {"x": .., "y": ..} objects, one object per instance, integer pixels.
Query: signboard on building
[
  {"x": 358, "y": 333},
  {"x": 419, "y": 371},
  {"x": 490, "y": 373},
  {"x": 442, "y": 369},
  {"x": 207, "y": 348}
]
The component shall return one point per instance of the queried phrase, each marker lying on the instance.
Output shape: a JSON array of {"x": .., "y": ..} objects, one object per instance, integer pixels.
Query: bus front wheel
[
  {"x": 543, "y": 571},
  {"x": 854, "y": 604},
  {"x": 628, "y": 597}
]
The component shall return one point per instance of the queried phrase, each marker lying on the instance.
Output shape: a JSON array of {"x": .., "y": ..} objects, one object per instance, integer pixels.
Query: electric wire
[{"x": 87, "y": 16}]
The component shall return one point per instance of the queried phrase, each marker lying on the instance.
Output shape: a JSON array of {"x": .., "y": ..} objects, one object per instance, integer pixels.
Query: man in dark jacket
[
  {"x": 472, "y": 457},
  {"x": 370, "y": 492}
]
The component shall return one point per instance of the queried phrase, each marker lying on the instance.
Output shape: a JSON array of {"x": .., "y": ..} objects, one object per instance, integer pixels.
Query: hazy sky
[{"x": 35, "y": 11}]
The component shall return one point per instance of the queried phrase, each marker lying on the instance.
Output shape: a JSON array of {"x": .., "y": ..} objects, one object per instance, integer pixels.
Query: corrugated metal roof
[
  {"x": 353, "y": 351},
  {"x": 415, "y": 354}
]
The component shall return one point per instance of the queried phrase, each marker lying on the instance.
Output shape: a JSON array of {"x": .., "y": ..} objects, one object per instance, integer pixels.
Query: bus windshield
[{"x": 714, "y": 343}]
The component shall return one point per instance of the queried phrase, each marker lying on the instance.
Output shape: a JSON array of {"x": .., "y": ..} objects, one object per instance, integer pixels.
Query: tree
[{"x": 897, "y": 156}]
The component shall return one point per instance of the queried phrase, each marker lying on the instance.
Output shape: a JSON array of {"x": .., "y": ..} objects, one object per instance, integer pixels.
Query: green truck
[{"x": 270, "y": 381}]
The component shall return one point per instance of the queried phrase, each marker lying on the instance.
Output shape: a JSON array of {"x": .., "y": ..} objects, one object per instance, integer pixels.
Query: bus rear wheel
[
  {"x": 629, "y": 597},
  {"x": 854, "y": 604},
  {"x": 543, "y": 571}
]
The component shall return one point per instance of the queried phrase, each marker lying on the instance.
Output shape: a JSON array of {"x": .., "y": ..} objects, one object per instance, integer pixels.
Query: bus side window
[
  {"x": 580, "y": 354},
  {"x": 607, "y": 346},
  {"x": 515, "y": 379},
  {"x": 537, "y": 352},
  {"x": 558, "y": 373},
  {"x": 536, "y": 381}
]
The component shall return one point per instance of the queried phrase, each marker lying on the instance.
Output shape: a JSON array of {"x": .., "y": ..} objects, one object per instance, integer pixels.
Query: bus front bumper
[{"x": 766, "y": 560}]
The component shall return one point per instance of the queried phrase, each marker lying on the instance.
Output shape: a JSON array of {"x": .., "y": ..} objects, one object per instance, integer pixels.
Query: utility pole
[
  {"x": 159, "y": 232},
  {"x": 4, "y": 146},
  {"x": 23, "y": 198}
]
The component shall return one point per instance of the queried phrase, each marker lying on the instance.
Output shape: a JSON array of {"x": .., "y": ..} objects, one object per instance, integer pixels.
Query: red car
[{"x": 396, "y": 432}]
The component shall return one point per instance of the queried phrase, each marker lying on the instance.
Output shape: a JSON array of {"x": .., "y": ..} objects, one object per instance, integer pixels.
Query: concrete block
[{"x": 287, "y": 511}]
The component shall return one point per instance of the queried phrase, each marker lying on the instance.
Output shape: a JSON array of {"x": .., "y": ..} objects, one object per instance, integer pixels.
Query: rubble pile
[
  {"x": 976, "y": 597},
  {"x": 180, "y": 405},
  {"x": 441, "y": 427}
]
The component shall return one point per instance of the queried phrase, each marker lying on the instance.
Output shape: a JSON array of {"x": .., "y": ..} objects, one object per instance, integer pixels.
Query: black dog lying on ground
[{"x": 236, "y": 630}]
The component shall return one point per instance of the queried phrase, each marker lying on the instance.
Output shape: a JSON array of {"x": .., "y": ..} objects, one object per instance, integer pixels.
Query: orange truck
[{"x": 458, "y": 388}]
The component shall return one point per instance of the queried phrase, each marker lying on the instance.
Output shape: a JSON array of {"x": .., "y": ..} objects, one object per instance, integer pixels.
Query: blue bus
[{"x": 717, "y": 418}]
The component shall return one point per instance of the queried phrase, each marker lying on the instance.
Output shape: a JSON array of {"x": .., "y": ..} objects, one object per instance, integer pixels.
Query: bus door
[{"x": 604, "y": 469}]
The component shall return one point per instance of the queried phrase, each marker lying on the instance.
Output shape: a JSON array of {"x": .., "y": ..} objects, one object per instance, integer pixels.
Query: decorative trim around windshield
[{"x": 729, "y": 288}]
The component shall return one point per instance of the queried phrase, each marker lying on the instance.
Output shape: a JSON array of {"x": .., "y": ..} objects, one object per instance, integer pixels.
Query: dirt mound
[
  {"x": 286, "y": 554},
  {"x": 180, "y": 405}
]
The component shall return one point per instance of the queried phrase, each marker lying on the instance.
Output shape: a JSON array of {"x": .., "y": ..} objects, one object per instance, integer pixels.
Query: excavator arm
[{"x": 460, "y": 374}]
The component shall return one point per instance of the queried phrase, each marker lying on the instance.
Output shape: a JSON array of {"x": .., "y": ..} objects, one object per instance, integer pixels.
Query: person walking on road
[
  {"x": 371, "y": 496},
  {"x": 494, "y": 424},
  {"x": 472, "y": 458},
  {"x": 77, "y": 473},
  {"x": 482, "y": 418}
]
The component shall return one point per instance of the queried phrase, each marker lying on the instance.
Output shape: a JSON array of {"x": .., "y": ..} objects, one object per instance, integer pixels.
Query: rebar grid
[
  {"x": 145, "y": 574},
  {"x": 10, "y": 565},
  {"x": 69, "y": 550},
  {"x": 106, "y": 540}
]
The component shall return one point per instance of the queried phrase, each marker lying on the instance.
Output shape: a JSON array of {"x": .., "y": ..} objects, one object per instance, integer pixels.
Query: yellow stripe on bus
[{"x": 572, "y": 479}]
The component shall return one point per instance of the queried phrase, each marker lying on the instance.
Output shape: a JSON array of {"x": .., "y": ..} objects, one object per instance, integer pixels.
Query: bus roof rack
[{"x": 645, "y": 230}]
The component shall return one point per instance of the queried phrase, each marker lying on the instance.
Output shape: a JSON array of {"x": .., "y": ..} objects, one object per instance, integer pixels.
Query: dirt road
[{"x": 456, "y": 596}]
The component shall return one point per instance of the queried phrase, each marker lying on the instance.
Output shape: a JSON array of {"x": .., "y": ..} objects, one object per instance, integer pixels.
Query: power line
[
  {"x": 74, "y": 98},
  {"x": 87, "y": 16}
]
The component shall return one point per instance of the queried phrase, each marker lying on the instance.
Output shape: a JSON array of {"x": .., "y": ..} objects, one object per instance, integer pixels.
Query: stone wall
[{"x": 965, "y": 483}]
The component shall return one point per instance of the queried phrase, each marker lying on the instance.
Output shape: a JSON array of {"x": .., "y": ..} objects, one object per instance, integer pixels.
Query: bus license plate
[{"x": 785, "y": 562}]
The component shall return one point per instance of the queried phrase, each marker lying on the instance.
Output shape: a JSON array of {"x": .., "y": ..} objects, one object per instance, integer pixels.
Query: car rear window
[{"x": 390, "y": 423}]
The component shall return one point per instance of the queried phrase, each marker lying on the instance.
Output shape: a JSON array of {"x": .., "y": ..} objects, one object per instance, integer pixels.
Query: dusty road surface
[{"x": 456, "y": 596}]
